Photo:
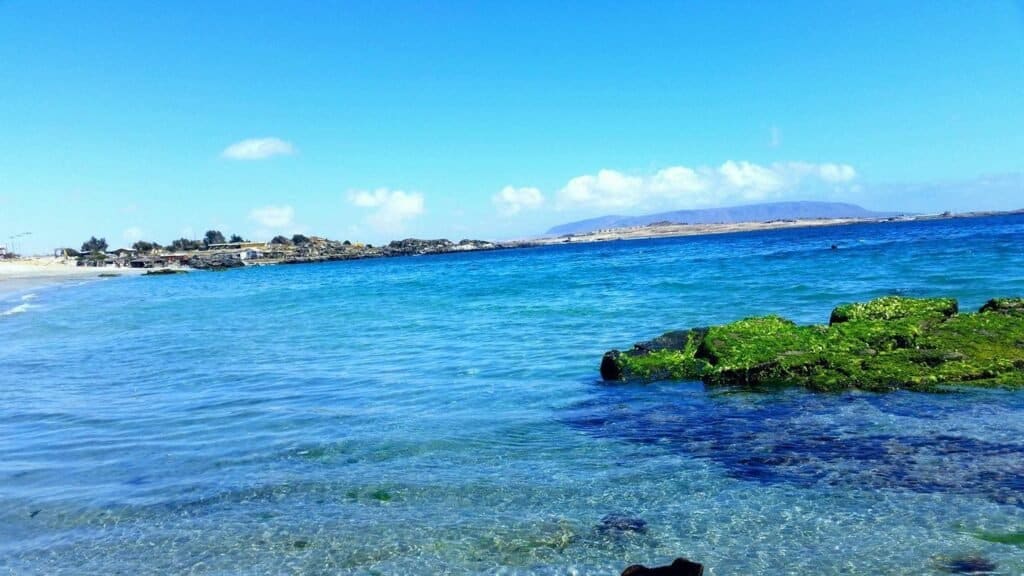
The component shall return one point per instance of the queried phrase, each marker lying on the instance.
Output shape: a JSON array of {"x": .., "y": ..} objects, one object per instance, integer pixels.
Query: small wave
[
  {"x": 28, "y": 297},
  {"x": 16, "y": 310}
]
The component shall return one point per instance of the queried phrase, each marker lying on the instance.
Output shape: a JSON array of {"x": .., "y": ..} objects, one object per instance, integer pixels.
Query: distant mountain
[{"x": 728, "y": 215}]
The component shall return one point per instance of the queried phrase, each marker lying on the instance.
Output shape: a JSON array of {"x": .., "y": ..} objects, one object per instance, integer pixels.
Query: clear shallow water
[{"x": 443, "y": 415}]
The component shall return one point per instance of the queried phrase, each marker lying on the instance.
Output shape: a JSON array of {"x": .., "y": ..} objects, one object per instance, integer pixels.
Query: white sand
[
  {"x": 50, "y": 267},
  {"x": 27, "y": 273}
]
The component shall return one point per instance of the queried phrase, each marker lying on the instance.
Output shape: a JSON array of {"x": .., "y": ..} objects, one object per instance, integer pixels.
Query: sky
[{"x": 372, "y": 121}]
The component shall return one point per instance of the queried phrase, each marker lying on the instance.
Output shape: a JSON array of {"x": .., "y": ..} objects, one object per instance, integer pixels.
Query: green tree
[
  {"x": 94, "y": 244},
  {"x": 213, "y": 237},
  {"x": 281, "y": 240},
  {"x": 184, "y": 245},
  {"x": 235, "y": 238},
  {"x": 143, "y": 246},
  {"x": 300, "y": 239}
]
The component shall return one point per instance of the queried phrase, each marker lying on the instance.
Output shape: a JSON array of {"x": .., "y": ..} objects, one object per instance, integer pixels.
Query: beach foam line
[{"x": 17, "y": 309}]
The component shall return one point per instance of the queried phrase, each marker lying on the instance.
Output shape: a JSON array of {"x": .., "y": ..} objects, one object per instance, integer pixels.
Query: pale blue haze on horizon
[{"x": 115, "y": 117}]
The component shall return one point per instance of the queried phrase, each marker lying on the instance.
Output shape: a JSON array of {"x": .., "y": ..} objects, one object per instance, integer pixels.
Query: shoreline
[
  {"x": 27, "y": 273},
  {"x": 672, "y": 230}
]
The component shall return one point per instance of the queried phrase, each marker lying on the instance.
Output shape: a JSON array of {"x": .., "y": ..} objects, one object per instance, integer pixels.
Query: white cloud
[
  {"x": 133, "y": 234},
  {"x": 754, "y": 182},
  {"x": 608, "y": 189},
  {"x": 511, "y": 201},
  {"x": 682, "y": 186},
  {"x": 678, "y": 180},
  {"x": 391, "y": 208},
  {"x": 837, "y": 172},
  {"x": 273, "y": 216},
  {"x": 258, "y": 149}
]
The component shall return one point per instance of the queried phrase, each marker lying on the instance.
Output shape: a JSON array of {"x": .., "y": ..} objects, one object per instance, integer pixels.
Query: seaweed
[{"x": 889, "y": 343}]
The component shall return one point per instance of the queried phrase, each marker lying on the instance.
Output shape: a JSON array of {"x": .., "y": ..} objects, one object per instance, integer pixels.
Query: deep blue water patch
[{"x": 928, "y": 443}]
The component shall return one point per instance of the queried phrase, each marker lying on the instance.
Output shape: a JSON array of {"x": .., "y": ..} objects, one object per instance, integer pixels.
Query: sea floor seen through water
[{"x": 444, "y": 415}]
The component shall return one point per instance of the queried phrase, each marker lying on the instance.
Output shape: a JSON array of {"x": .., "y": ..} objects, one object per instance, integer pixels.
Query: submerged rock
[
  {"x": 970, "y": 565},
  {"x": 885, "y": 344},
  {"x": 679, "y": 567},
  {"x": 622, "y": 523},
  {"x": 165, "y": 272},
  {"x": 965, "y": 443}
]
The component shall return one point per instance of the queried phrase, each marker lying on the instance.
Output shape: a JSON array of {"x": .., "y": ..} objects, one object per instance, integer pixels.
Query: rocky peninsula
[
  {"x": 301, "y": 250},
  {"x": 890, "y": 343}
]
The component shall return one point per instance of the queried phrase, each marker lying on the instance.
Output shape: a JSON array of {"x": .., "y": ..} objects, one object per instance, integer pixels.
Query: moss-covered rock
[
  {"x": 1013, "y": 306},
  {"x": 885, "y": 344},
  {"x": 895, "y": 307}
]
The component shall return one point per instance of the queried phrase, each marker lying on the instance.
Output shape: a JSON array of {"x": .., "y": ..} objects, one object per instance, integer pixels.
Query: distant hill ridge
[{"x": 727, "y": 215}]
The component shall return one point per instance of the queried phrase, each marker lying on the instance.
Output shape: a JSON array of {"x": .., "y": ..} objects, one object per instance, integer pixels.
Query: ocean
[{"x": 445, "y": 415}]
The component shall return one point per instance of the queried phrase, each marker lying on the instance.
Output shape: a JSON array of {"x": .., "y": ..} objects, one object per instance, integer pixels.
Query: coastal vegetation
[
  {"x": 214, "y": 237},
  {"x": 213, "y": 252},
  {"x": 94, "y": 244},
  {"x": 886, "y": 344}
]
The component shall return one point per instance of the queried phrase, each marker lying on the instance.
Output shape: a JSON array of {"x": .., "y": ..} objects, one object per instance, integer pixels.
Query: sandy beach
[{"x": 27, "y": 273}]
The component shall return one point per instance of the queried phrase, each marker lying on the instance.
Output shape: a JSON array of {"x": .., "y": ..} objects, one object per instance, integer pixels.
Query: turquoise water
[{"x": 444, "y": 415}]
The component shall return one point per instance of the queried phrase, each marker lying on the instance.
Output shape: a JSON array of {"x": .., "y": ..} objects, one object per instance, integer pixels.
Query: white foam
[
  {"x": 28, "y": 297},
  {"x": 17, "y": 309}
]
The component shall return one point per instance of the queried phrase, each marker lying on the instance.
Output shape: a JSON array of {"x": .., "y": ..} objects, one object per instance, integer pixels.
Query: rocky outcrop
[
  {"x": 214, "y": 262},
  {"x": 317, "y": 249},
  {"x": 679, "y": 567},
  {"x": 321, "y": 250},
  {"x": 417, "y": 247},
  {"x": 886, "y": 344}
]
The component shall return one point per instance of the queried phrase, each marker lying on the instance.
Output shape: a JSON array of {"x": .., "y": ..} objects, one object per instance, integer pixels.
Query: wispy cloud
[
  {"x": 273, "y": 216},
  {"x": 258, "y": 149},
  {"x": 132, "y": 234},
  {"x": 391, "y": 208},
  {"x": 682, "y": 186},
  {"x": 511, "y": 200}
]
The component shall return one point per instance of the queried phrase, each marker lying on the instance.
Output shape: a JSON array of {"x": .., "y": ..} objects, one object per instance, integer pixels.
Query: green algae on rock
[
  {"x": 1011, "y": 538},
  {"x": 886, "y": 344}
]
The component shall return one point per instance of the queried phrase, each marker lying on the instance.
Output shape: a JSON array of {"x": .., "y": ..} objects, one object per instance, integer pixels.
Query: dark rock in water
[
  {"x": 970, "y": 565},
  {"x": 680, "y": 567},
  {"x": 1014, "y": 306},
  {"x": 165, "y": 272},
  {"x": 835, "y": 247},
  {"x": 109, "y": 275},
  {"x": 622, "y": 523},
  {"x": 886, "y": 344},
  {"x": 768, "y": 438},
  {"x": 611, "y": 369},
  {"x": 300, "y": 544},
  {"x": 656, "y": 359}
]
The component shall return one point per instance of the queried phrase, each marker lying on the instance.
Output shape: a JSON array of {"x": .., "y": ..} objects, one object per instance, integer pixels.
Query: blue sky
[{"x": 377, "y": 121}]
